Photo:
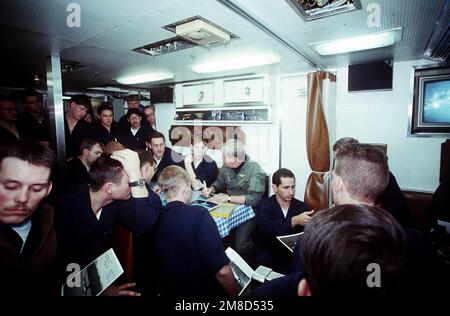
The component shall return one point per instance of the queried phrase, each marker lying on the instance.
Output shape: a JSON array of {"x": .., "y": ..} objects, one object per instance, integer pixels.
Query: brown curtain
[{"x": 317, "y": 144}]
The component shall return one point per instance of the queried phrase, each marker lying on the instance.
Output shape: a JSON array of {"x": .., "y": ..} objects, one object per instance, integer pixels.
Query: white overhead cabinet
[
  {"x": 198, "y": 94},
  {"x": 250, "y": 90},
  {"x": 223, "y": 101}
]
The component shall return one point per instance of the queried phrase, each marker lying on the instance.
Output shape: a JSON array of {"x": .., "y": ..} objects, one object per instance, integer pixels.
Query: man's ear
[
  {"x": 303, "y": 288},
  {"x": 274, "y": 188},
  {"x": 108, "y": 187},
  {"x": 49, "y": 188},
  {"x": 339, "y": 183}
]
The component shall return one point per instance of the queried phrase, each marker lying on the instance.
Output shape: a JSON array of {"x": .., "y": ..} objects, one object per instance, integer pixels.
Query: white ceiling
[{"x": 110, "y": 29}]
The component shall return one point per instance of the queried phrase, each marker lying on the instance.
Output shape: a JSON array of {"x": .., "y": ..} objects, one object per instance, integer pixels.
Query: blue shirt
[
  {"x": 190, "y": 250},
  {"x": 82, "y": 237},
  {"x": 272, "y": 222},
  {"x": 206, "y": 170}
]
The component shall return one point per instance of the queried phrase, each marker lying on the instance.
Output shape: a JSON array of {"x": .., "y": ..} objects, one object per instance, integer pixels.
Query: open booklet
[
  {"x": 244, "y": 274},
  {"x": 290, "y": 241},
  {"x": 206, "y": 204},
  {"x": 95, "y": 278}
]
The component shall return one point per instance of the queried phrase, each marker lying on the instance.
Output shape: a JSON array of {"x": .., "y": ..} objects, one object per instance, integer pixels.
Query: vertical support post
[{"x": 56, "y": 107}]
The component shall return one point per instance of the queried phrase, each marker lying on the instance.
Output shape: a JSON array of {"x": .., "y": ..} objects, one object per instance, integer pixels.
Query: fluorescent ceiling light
[
  {"x": 112, "y": 89},
  {"x": 237, "y": 62},
  {"x": 357, "y": 43},
  {"x": 144, "y": 78},
  {"x": 66, "y": 97}
]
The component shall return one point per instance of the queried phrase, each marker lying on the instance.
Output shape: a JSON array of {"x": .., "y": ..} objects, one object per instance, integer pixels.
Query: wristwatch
[{"x": 139, "y": 183}]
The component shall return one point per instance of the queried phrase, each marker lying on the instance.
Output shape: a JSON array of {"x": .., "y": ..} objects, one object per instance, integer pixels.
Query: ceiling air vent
[
  {"x": 200, "y": 31},
  {"x": 317, "y": 9},
  {"x": 68, "y": 66}
]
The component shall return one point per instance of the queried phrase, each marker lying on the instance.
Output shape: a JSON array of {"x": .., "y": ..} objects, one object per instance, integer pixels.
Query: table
[{"x": 241, "y": 214}]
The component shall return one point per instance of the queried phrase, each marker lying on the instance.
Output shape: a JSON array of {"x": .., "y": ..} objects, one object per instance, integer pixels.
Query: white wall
[
  {"x": 382, "y": 117},
  {"x": 292, "y": 119}
]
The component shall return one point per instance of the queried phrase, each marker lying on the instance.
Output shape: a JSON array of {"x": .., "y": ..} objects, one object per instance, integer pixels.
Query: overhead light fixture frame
[
  {"x": 200, "y": 31},
  {"x": 358, "y": 43}
]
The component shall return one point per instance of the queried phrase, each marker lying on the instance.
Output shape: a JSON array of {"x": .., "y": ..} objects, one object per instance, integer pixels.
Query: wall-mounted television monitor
[{"x": 430, "y": 113}]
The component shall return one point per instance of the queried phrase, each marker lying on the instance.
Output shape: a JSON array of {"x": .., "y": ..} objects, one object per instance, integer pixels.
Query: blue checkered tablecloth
[{"x": 241, "y": 214}]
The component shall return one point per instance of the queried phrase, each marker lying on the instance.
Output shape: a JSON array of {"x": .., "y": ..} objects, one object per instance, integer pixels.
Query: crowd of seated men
[{"x": 115, "y": 173}]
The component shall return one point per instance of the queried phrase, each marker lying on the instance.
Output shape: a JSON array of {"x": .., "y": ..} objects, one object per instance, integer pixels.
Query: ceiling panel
[{"x": 110, "y": 29}]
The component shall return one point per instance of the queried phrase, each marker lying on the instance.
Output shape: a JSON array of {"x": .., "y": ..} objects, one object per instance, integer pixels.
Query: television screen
[
  {"x": 436, "y": 103},
  {"x": 430, "y": 111},
  {"x": 370, "y": 76}
]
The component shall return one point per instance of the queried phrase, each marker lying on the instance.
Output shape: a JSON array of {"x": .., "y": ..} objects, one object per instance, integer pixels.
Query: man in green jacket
[{"x": 240, "y": 181}]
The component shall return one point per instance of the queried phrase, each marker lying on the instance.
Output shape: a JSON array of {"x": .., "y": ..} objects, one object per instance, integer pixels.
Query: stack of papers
[
  {"x": 95, "y": 278},
  {"x": 223, "y": 210},
  {"x": 290, "y": 241}
]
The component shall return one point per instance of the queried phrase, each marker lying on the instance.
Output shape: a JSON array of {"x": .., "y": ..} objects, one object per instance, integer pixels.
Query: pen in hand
[{"x": 206, "y": 188}]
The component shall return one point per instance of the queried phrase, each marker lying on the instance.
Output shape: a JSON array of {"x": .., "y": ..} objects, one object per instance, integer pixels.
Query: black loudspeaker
[
  {"x": 370, "y": 76},
  {"x": 161, "y": 95}
]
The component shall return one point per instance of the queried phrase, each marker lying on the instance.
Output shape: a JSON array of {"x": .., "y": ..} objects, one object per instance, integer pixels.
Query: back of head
[
  {"x": 281, "y": 173},
  {"x": 344, "y": 141},
  {"x": 172, "y": 179},
  {"x": 104, "y": 170},
  {"x": 30, "y": 151},
  {"x": 364, "y": 171},
  {"x": 111, "y": 147},
  {"x": 342, "y": 246}
]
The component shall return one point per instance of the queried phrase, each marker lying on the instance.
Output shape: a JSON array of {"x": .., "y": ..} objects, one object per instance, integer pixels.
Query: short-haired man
[
  {"x": 106, "y": 129},
  {"x": 86, "y": 216},
  {"x": 342, "y": 246},
  {"x": 163, "y": 155},
  {"x": 76, "y": 128},
  {"x": 202, "y": 169},
  {"x": 360, "y": 176},
  {"x": 134, "y": 136},
  {"x": 149, "y": 113},
  {"x": 241, "y": 181},
  {"x": 280, "y": 214},
  {"x": 392, "y": 198},
  {"x": 34, "y": 122},
  {"x": 133, "y": 102},
  {"x": 187, "y": 243},
  {"x": 77, "y": 169},
  {"x": 27, "y": 235},
  {"x": 9, "y": 131}
]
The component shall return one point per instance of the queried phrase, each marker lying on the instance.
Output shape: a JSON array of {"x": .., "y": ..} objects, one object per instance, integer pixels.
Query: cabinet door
[
  {"x": 198, "y": 94},
  {"x": 253, "y": 90},
  {"x": 244, "y": 90}
]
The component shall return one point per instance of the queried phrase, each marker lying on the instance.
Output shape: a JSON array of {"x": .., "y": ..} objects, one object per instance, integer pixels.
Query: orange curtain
[{"x": 317, "y": 144}]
